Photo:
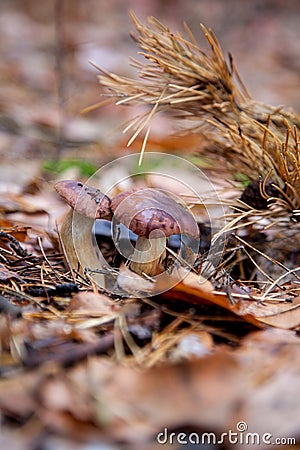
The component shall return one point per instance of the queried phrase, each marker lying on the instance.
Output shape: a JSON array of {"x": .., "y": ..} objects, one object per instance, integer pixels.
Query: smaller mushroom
[
  {"x": 87, "y": 204},
  {"x": 87, "y": 201},
  {"x": 149, "y": 213}
]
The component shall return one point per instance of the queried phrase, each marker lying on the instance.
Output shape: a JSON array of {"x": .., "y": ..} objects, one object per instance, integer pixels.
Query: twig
[{"x": 15, "y": 244}]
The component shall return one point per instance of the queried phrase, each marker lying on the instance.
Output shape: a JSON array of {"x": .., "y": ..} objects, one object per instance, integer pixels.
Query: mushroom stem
[
  {"x": 148, "y": 256},
  {"x": 81, "y": 251},
  {"x": 67, "y": 241},
  {"x": 80, "y": 246}
]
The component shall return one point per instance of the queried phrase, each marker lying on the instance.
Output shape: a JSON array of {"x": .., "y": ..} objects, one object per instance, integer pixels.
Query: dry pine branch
[{"x": 253, "y": 139}]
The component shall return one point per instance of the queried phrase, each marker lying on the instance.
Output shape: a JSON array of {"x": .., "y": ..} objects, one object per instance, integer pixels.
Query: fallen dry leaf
[
  {"x": 9, "y": 439},
  {"x": 18, "y": 232},
  {"x": 132, "y": 283},
  {"x": 272, "y": 359},
  {"x": 274, "y": 312},
  {"x": 91, "y": 303},
  {"x": 214, "y": 392},
  {"x": 16, "y": 394},
  {"x": 128, "y": 402}
]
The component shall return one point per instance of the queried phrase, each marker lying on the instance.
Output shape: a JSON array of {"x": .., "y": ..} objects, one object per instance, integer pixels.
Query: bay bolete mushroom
[
  {"x": 87, "y": 204},
  {"x": 149, "y": 213},
  {"x": 153, "y": 216}
]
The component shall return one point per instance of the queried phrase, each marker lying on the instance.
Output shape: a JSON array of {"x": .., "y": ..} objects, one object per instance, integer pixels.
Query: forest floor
[{"x": 85, "y": 369}]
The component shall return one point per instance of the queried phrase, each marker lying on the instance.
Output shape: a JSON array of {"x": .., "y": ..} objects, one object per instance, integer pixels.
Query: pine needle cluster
[{"x": 259, "y": 141}]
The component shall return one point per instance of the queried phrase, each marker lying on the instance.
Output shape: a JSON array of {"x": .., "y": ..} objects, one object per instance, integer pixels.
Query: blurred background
[{"x": 46, "y": 78}]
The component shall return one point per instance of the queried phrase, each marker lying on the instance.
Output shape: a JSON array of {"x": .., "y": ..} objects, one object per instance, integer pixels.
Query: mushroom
[
  {"x": 87, "y": 205},
  {"x": 153, "y": 216},
  {"x": 149, "y": 213}
]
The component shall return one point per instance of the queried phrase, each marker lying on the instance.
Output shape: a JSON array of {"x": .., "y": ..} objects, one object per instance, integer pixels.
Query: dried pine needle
[{"x": 253, "y": 138}]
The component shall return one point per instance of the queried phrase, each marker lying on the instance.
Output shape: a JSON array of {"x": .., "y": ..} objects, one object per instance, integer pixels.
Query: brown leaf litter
[{"x": 89, "y": 365}]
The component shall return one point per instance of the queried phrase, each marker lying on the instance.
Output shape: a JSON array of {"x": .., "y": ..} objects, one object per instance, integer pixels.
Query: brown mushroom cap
[
  {"x": 146, "y": 210},
  {"x": 88, "y": 201}
]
